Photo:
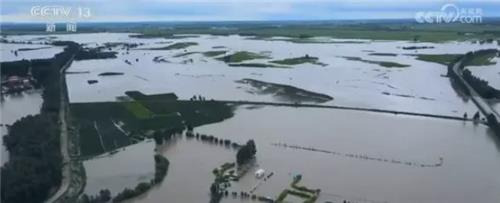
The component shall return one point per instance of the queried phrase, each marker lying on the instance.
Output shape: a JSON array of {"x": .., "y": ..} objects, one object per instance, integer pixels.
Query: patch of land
[
  {"x": 178, "y": 45},
  {"x": 307, "y": 40},
  {"x": 185, "y": 54},
  {"x": 241, "y": 56},
  {"x": 417, "y": 47},
  {"x": 106, "y": 126},
  {"x": 110, "y": 73},
  {"x": 382, "y": 54},
  {"x": 443, "y": 59},
  {"x": 32, "y": 49},
  {"x": 161, "y": 35},
  {"x": 446, "y": 59},
  {"x": 299, "y": 60},
  {"x": 386, "y": 64},
  {"x": 482, "y": 58},
  {"x": 213, "y": 53},
  {"x": 284, "y": 92},
  {"x": 256, "y": 65}
]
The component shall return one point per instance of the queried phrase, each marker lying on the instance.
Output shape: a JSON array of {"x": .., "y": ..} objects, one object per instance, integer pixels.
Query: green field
[
  {"x": 482, "y": 59},
  {"x": 106, "y": 126},
  {"x": 138, "y": 110},
  {"x": 445, "y": 59}
]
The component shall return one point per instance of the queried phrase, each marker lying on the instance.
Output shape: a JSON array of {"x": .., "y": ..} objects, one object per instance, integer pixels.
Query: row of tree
[{"x": 35, "y": 162}]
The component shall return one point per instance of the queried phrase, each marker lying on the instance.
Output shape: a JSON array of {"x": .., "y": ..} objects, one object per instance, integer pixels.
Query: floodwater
[
  {"x": 125, "y": 168},
  {"x": 14, "y": 107},
  {"x": 32, "y": 51},
  {"x": 470, "y": 154},
  {"x": 349, "y": 82}
]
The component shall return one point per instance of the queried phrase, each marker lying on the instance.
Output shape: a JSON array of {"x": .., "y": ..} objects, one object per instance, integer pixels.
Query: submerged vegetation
[
  {"x": 213, "y": 53},
  {"x": 382, "y": 54},
  {"x": 299, "y": 60},
  {"x": 284, "y": 92},
  {"x": 309, "y": 195},
  {"x": 386, "y": 64},
  {"x": 443, "y": 59},
  {"x": 178, "y": 45},
  {"x": 241, "y": 56},
  {"x": 446, "y": 59},
  {"x": 256, "y": 65}
]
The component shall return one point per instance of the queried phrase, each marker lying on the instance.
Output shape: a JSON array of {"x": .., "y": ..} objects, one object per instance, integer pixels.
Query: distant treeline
[
  {"x": 94, "y": 54},
  {"x": 35, "y": 163}
]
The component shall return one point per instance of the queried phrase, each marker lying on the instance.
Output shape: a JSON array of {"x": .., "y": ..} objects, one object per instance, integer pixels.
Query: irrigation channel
[{"x": 362, "y": 156}]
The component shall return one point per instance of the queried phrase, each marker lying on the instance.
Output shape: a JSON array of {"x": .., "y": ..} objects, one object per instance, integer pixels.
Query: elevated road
[{"x": 481, "y": 104}]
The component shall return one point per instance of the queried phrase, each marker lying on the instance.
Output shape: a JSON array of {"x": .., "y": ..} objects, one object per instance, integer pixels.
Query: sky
[{"x": 229, "y": 10}]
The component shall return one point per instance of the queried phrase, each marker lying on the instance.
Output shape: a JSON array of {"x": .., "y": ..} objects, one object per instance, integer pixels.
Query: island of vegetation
[
  {"x": 178, "y": 45},
  {"x": 284, "y": 92},
  {"x": 386, "y": 64},
  {"x": 382, "y": 54},
  {"x": 256, "y": 65},
  {"x": 241, "y": 56},
  {"x": 445, "y": 59},
  {"x": 110, "y": 73},
  {"x": 214, "y": 53},
  {"x": 299, "y": 60}
]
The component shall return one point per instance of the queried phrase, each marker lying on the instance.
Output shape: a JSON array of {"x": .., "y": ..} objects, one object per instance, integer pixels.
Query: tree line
[{"x": 35, "y": 162}]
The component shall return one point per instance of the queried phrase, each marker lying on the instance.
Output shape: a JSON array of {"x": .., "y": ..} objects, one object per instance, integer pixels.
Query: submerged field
[{"x": 168, "y": 82}]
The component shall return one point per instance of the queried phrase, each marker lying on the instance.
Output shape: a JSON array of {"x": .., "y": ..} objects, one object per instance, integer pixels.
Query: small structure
[
  {"x": 15, "y": 84},
  {"x": 260, "y": 173}
]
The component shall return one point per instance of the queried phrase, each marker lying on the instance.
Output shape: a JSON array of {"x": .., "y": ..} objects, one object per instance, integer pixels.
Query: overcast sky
[{"x": 236, "y": 10}]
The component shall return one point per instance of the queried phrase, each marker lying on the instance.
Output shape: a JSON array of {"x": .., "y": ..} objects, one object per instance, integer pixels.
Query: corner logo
[
  {"x": 451, "y": 13},
  {"x": 60, "y": 13}
]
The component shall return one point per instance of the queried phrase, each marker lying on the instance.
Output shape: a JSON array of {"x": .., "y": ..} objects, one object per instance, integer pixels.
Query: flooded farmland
[
  {"x": 357, "y": 156},
  {"x": 462, "y": 146}
]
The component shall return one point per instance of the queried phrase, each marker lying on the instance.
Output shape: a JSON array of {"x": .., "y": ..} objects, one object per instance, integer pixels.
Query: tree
[{"x": 246, "y": 152}]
